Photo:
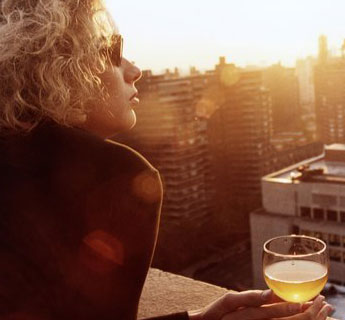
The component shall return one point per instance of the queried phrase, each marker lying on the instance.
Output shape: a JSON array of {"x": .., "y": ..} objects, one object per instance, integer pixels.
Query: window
[
  {"x": 303, "y": 232},
  {"x": 342, "y": 216},
  {"x": 320, "y": 235},
  {"x": 332, "y": 215},
  {"x": 295, "y": 229},
  {"x": 334, "y": 240},
  {"x": 317, "y": 234},
  {"x": 335, "y": 255},
  {"x": 342, "y": 201},
  {"x": 318, "y": 214},
  {"x": 310, "y": 233},
  {"x": 324, "y": 237},
  {"x": 305, "y": 212}
]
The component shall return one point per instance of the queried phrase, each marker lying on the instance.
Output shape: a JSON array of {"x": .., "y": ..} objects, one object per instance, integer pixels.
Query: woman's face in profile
[{"x": 116, "y": 114}]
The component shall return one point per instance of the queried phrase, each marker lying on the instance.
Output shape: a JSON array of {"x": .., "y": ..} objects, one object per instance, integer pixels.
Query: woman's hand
[{"x": 252, "y": 305}]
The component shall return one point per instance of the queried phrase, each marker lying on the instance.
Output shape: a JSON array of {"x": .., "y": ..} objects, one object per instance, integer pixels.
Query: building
[
  {"x": 295, "y": 154},
  {"x": 305, "y": 75},
  {"x": 307, "y": 198},
  {"x": 323, "y": 50},
  {"x": 330, "y": 101},
  {"x": 330, "y": 96},
  {"x": 283, "y": 86},
  {"x": 240, "y": 131}
]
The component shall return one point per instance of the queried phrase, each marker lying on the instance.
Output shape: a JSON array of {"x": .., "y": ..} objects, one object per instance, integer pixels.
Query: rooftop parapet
[{"x": 335, "y": 152}]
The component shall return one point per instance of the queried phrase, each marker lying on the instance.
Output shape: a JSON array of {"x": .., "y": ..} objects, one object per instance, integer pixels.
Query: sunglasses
[{"x": 115, "y": 51}]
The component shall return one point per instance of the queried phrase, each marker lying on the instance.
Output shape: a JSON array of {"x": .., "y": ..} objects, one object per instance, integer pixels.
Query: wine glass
[{"x": 295, "y": 267}]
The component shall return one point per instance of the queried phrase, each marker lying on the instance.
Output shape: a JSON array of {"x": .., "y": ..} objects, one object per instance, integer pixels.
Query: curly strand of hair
[{"x": 49, "y": 61}]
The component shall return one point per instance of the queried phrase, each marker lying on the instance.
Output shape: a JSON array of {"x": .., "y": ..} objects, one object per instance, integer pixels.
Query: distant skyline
[{"x": 183, "y": 33}]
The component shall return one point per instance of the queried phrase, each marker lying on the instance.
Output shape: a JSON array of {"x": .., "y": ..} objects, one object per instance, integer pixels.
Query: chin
[
  {"x": 132, "y": 120},
  {"x": 127, "y": 123}
]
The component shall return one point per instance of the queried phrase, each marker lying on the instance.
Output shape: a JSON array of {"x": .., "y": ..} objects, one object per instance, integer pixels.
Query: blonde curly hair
[{"x": 51, "y": 53}]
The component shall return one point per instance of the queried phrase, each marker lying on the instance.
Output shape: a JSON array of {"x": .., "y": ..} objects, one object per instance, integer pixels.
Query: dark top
[
  {"x": 175, "y": 316},
  {"x": 79, "y": 220}
]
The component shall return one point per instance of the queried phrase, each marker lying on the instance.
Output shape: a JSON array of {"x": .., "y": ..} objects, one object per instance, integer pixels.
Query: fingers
[
  {"x": 233, "y": 300},
  {"x": 252, "y": 298},
  {"x": 252, "y": 305},
  {"x": 306, "y": 305},
  {"x": 277, "y": 310},
  {"x": 275, "y": 299},
  {"x": 325, "y": 311},
  {"x": 314, "y": 309}
]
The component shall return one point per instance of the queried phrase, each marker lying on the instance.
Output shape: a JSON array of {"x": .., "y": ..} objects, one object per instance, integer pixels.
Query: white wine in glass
[{"x": 295, "y": 267}]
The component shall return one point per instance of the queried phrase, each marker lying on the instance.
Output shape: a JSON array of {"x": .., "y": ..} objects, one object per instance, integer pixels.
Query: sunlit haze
[{"x": 184, "y": 33}]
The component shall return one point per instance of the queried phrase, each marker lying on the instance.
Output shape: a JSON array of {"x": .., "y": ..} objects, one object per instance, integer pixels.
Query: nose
[{"x": 132, "y": 72}]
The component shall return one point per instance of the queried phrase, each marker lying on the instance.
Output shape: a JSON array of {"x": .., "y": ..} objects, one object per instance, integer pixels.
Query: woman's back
[{"x": 79, "y": 220}]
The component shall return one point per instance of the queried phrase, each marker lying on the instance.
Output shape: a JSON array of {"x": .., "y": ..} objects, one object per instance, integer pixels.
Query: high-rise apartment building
[
  {"x": 330, "y": 96},
  {"x": 323, "y": 50},
  {"x": 305, "y": 75},
  {"x": 240, "y": 131},
  {"x": 307, "y": 198},
  {"x": 283, "y": 86},
  {"x": 330, "y": 100}
]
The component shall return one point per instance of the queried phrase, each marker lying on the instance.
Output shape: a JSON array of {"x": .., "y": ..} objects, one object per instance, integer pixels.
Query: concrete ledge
[{"x": 166, "y": 293}]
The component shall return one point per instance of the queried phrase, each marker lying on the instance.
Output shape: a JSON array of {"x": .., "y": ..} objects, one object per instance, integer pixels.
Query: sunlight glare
[{"x": 185, "y": 33}]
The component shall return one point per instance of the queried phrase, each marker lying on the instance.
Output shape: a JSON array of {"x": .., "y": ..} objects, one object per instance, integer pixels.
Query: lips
[{"x": 134, "y": 99}]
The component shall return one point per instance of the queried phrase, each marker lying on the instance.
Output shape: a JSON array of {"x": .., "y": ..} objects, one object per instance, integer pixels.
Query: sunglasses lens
[
  {"x": 117, "y": 53},
  {"x": 120, "y": 51}
]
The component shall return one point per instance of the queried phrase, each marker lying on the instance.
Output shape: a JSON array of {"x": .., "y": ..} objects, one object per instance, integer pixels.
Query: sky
[{"x": 160, "y": 34}]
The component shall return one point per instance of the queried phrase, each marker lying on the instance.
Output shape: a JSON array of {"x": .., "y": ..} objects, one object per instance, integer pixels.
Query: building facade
[
  {"x": 329, "y": 76},
  {"x": 330, "y": 100},
  {"x": 305, "y": 75},
  {"x": 240, "y": 130},
  {"x": 283, "y": 86}
]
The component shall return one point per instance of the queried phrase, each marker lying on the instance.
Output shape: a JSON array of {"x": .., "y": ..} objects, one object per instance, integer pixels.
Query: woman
[{"x": 79, "y": 213}]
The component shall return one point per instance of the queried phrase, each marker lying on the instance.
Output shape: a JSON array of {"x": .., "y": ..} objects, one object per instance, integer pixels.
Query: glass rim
[{"x": 295, "y": 255}]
